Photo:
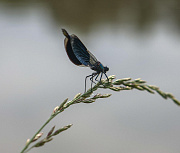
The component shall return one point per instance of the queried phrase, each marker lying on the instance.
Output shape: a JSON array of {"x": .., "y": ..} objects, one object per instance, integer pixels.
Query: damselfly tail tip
[{"x": 65, "y": 33}]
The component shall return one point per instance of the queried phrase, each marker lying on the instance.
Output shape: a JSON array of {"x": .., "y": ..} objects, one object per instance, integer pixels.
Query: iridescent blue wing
[
  {"x": 77, "y": 52},
  {"x": 70, "y": 52},
  {"x": 81, "y": 52},
  {"x": 92, "y": 59}
]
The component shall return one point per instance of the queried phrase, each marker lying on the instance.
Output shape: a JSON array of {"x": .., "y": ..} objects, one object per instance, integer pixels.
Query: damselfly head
[{"x": 106, "y": 69}]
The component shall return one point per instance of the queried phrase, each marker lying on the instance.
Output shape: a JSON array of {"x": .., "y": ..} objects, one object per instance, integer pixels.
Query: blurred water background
[{"x": 136, "y": 38}]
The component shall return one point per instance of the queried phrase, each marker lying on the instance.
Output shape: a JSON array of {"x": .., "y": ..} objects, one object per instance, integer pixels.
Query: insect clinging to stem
[{"x": 81, "y": 56}]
